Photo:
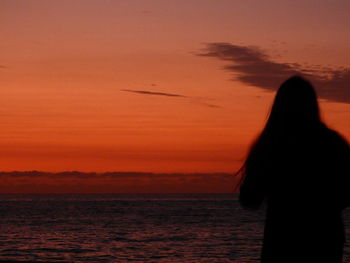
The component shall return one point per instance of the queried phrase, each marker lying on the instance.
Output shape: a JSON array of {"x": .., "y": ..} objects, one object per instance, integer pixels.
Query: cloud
[
  {"x": 207, "y": 104},
  {"x": 165, "y": 94},
  {"x": 146, "y": 92},
  {"x": 91, "y": 175},
  {"x": 115, "y": 182},
  {"x": 252, "y": 66}
]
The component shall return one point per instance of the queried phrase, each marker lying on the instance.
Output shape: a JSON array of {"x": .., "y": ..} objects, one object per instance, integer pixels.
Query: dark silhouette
[{"x": 301, "y": 168}]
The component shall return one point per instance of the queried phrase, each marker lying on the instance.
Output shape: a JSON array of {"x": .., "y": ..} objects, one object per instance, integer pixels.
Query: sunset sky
[{"x": 159, "y": 86}]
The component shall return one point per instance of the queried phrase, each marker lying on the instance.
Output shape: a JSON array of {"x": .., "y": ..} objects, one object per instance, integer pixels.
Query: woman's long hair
[{"x": 295, "y": 109}]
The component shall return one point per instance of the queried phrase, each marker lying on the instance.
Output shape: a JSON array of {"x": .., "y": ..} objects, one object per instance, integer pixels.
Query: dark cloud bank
[
  {"x": 115, "y": 182},
  {"x": 91, "y": 175},
  {"x": 252, "y": 66}
]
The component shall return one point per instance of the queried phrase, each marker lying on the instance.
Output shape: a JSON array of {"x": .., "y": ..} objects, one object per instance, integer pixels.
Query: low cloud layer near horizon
[
  {"x": 253, "y": 67},
  {"x": 115, "y": 182}
]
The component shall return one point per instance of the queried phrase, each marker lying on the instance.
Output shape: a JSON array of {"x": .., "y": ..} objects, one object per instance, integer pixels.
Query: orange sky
[{"x": 65, "y": 64}]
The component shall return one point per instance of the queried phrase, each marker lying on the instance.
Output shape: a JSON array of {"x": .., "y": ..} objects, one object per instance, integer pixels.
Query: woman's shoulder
[{"x": 334, "y": 138}]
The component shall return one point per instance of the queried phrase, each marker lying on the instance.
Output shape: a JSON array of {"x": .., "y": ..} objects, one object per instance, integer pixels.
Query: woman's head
[
  {"x": 295, "y": 103},
  {"x": 294, "y": 112}
]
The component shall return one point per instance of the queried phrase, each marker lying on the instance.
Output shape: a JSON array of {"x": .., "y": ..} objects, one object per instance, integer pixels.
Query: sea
[{"x": 146, "y": 228}]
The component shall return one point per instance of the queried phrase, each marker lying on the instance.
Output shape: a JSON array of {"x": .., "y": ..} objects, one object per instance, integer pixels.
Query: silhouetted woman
[{"x": 301, "y": 168}]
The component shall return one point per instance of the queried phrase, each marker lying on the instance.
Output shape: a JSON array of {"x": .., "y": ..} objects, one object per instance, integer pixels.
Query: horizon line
[{"x": 115, "y": 171}]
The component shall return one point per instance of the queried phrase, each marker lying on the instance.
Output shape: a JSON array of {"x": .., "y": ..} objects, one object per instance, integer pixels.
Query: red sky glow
[{"x": 101, "y": 85}]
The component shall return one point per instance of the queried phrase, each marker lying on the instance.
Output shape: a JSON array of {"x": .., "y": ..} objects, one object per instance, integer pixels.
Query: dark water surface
[{"x": 130, "y": 228}]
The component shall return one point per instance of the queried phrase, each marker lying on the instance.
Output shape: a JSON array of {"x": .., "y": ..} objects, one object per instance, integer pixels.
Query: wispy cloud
[
  {"x": 195, "y": 100},
  {"x": 252, "y": 66},
  {"x": 146, "y": 92}
]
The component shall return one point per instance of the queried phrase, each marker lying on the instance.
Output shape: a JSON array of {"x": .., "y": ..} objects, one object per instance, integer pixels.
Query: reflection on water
[{"x": 135, "y": 228}]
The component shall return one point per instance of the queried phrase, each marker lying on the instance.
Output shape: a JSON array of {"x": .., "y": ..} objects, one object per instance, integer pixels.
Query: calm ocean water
[{"x": 130, "y": 228}]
